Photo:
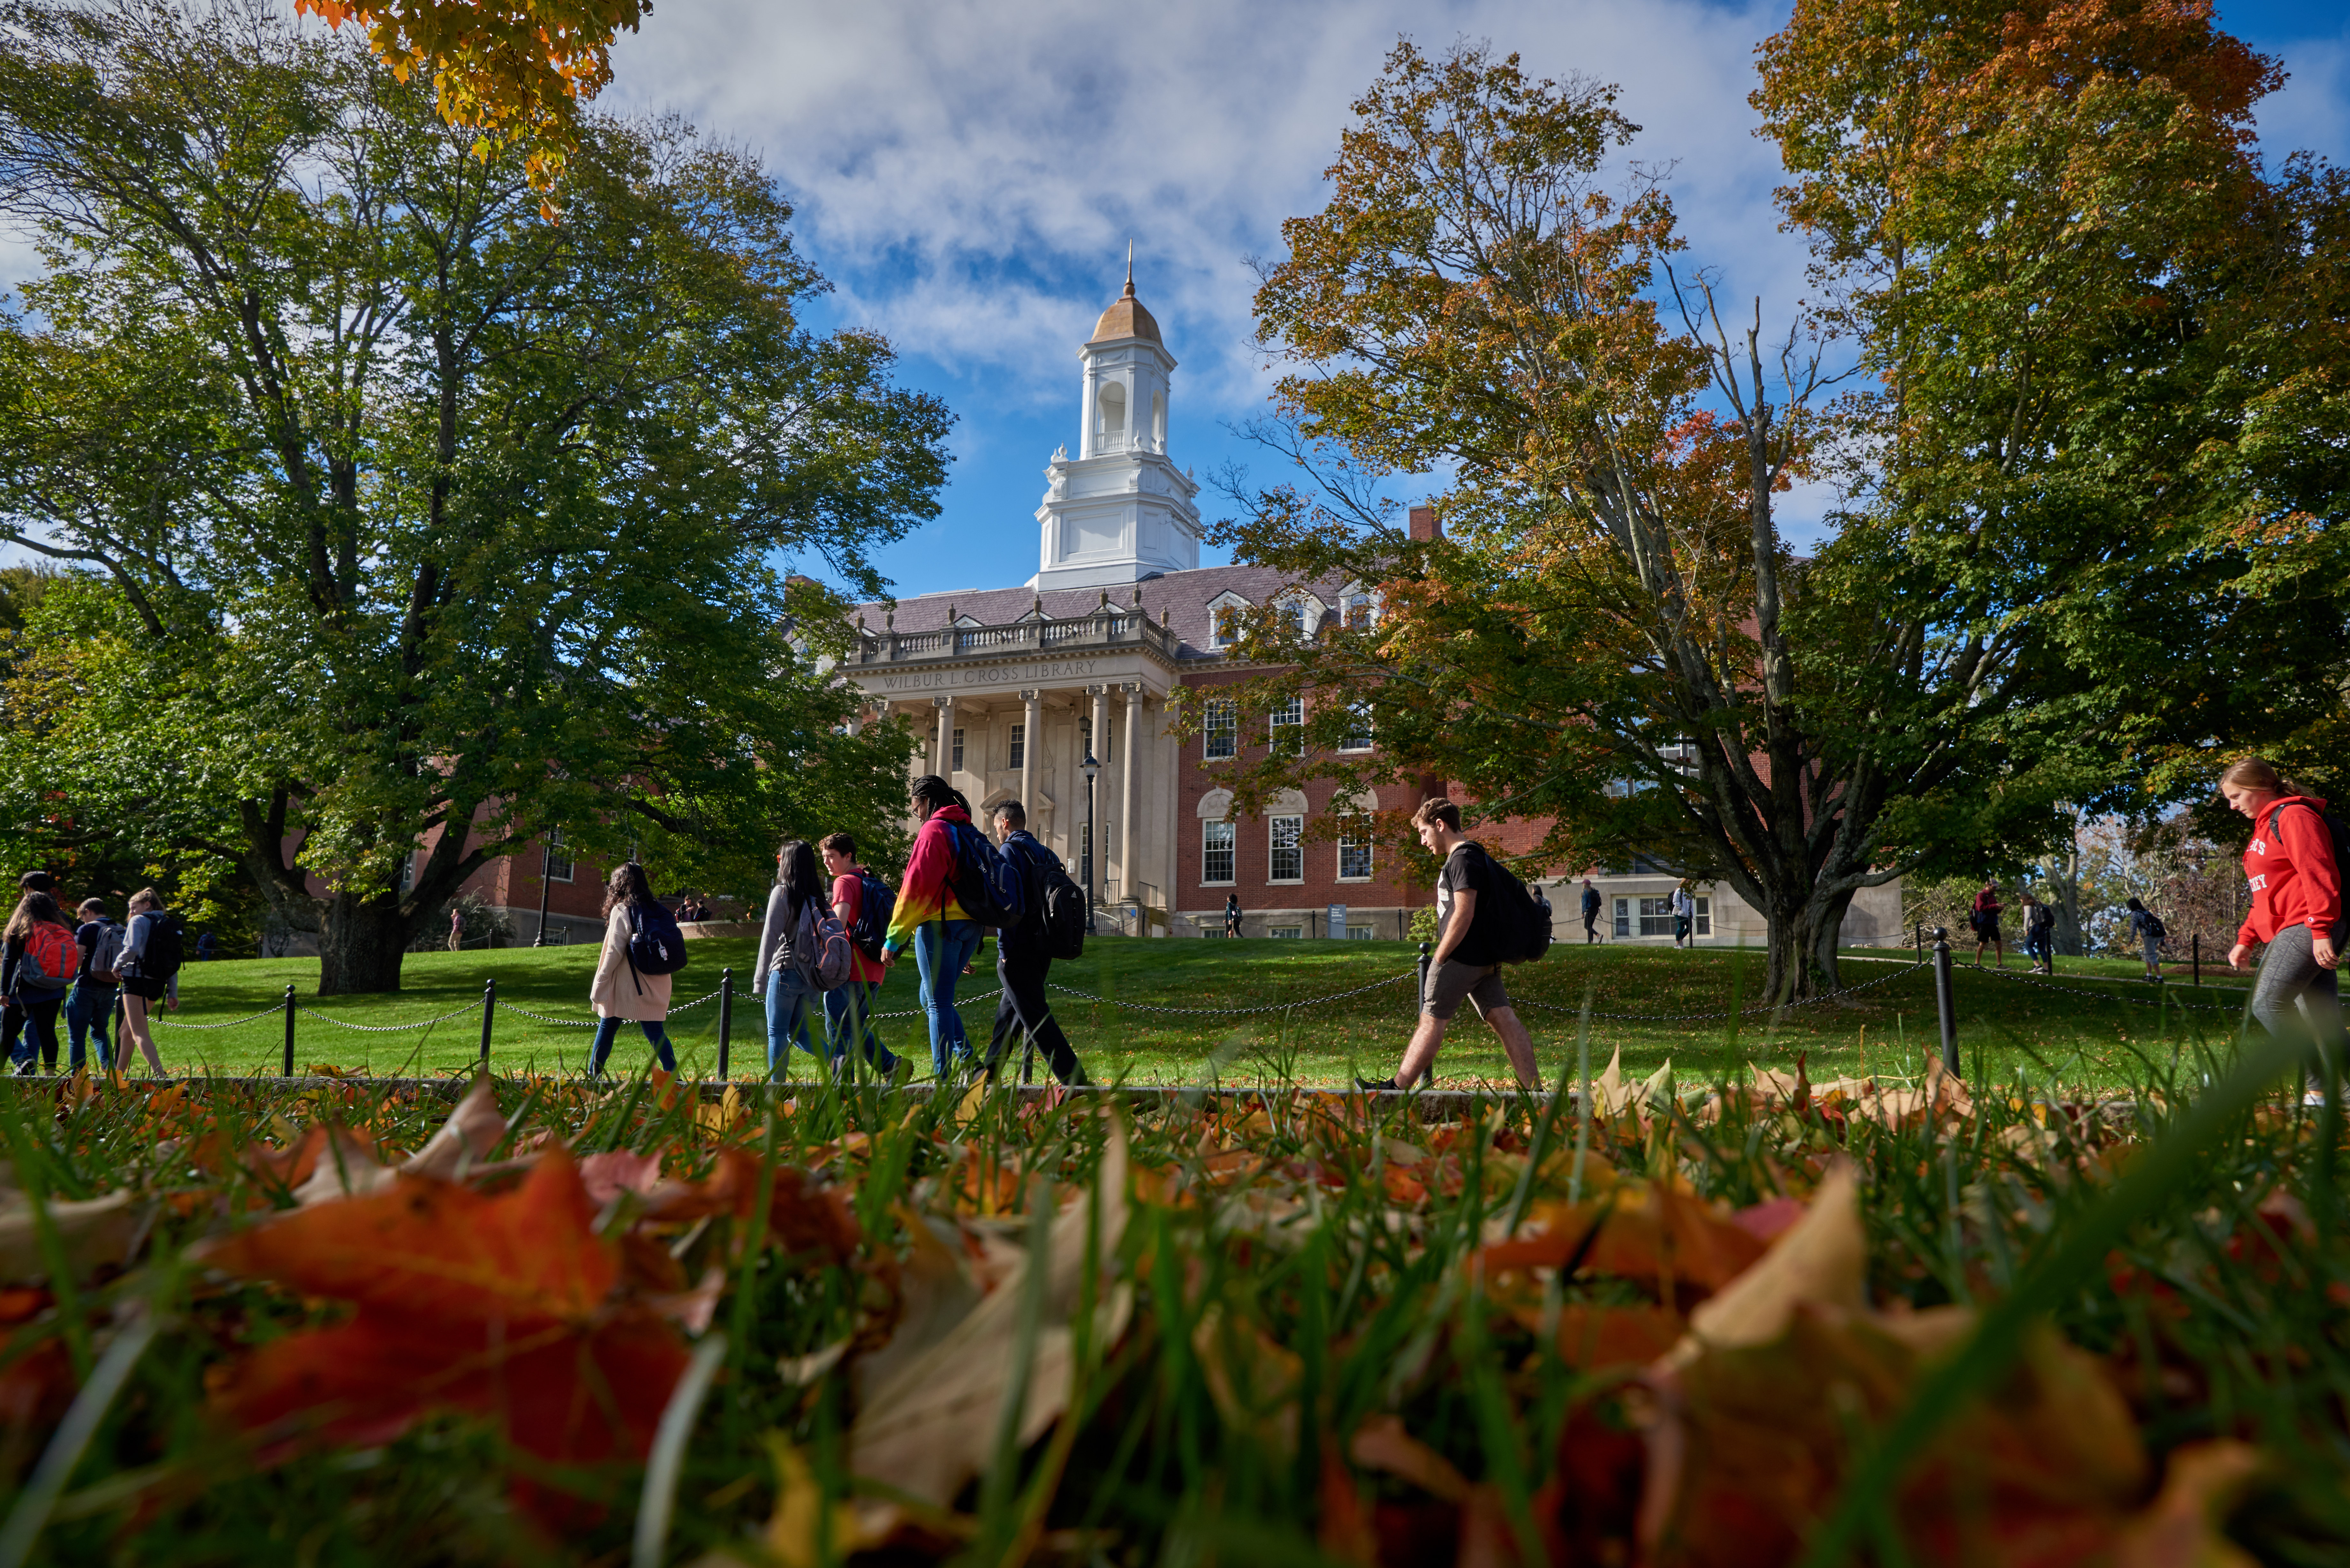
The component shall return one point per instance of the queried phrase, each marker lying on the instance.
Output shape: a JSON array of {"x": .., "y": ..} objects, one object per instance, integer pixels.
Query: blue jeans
[
  {"x": 609, "y": 1029},
  {"x": 788, "y": 996},
  {"x": 840, "y": 1027},
  {"x": 941, "y": 948},
  {"x": 89, "y": 1010}
]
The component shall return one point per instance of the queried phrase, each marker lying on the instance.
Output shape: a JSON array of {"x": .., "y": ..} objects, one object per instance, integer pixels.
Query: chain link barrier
[
  {"x": 271, "y": 1010},
  {"x": 1759, "y": 1009},
  {"x": 2156, "y": 1001}
]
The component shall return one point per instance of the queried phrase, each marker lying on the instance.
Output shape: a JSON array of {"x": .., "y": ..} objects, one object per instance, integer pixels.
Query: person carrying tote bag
[{"x": 624, "y": 992}]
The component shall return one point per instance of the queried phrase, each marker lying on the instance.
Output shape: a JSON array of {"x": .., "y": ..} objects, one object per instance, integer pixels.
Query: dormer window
[{"x": 1226, "y": 613}]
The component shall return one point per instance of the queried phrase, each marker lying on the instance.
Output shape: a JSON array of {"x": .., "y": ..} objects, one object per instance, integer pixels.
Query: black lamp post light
[{"x": 1092, "y": 769}]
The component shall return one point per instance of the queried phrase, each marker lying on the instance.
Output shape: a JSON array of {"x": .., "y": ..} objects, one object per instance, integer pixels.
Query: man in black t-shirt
[
  {"x": 1465, "y": 964},
  {"x": 1590, "y": 912}
]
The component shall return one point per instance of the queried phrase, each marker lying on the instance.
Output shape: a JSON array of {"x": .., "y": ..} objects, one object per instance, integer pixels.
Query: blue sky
[{"x": 968, "y": 174}]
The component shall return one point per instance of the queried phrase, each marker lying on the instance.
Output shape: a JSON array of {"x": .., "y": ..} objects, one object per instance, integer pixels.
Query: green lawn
[{"x": 2085, "y": 1034}]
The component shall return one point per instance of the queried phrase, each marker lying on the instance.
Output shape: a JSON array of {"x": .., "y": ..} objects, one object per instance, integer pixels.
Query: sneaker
[{"x": 1377, "y": 1086}]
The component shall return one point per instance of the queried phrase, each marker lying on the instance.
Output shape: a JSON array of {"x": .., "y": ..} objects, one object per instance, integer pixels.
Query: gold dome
[{"x": 1126, "y": 318}]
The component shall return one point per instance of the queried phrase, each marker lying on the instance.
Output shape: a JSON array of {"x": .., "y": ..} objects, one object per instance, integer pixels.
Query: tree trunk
[
  {"x": 361, "y": 942},
  {"x": 2064, "y": 875},
  {"x": 1803, "y": 946}
]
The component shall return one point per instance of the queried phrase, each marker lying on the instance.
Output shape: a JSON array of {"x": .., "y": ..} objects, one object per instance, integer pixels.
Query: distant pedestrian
[
  {"x": 1467, "y": 961},
  {"x": 1232, "y": 914},
  {"x": 1984, "y": 917},
  {"x": 848, "y": 1009},
  {"x": 153, "y": 946},
  {"x": 2039, "y": 935},
  {"x": 2296, "y": 886},
  {"x": 37, "y": 960},
  {"x": 2146, "y": 929},
  {"x": 1590, "y": 913},
  {"x": 1684, "y": 914},
  {"x": 456, "y": 928},
  {"x": 98, "y": 985},
  {"x": 207, "y": 950},
  {"x": 781, "y": 977},
  {"x": 1023, "y": 958},
  {"x": 928, "y": 920},
  {"x": 621, "y": 993}
]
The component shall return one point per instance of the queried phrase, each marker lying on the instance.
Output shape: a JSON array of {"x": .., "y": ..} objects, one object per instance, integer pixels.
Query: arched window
[
  {"x": 1360, "y": 613},
  {"x": 1159, "y": 420},
  {"x": 1112, "y": 424}
]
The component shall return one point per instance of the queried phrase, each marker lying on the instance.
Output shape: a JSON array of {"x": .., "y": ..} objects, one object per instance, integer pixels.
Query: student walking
[
  {"x": 1467, "y": 963},
  {"x": 1684, "y": 914},
  {"x": 37, "y": 960},
  {"x": 2146, "y": 929},
  {"x": 785, "y": 976},
  {"x": 1232, "y": 914},
  {"x": 153, "y": 946},
  {"x": 1590, "y": 913},
  {"x": 1985, "y": 920},
  {"x": 930, "y": 920},
  {"x": 98, "y": 985},
  {"x": 621, "y": 993},
  {"x": 848, "y": 1009},
  {"x": 2296, "y": 886},
  {"x": 456, "y": 929},
  {"x": 1022, "y": 956},
  {"x": 2039, "y": 935}
]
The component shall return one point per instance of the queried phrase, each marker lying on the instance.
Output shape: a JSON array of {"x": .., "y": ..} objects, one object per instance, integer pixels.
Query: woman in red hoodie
[
  {"x": 2296, "y": 903},
  {"x": 928, "y": 918}
]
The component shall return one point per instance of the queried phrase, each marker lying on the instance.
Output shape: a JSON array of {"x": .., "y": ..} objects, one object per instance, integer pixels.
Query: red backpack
[{"x": 50, "y": 956}]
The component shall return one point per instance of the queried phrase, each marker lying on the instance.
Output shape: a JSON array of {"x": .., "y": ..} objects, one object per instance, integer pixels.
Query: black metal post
[
  {"x": 1942, "y": 1007},
  {"x": 545, "y": 864},
  {"x": 290, "y": 1029},
  {"x": 1090, "y": 769},
  {"x": 1424, "y": 957},
  {"x": 489, "y": 1011},
  {"x": 725, "y": 1018},
  {"x": 2195, "y": 948}
]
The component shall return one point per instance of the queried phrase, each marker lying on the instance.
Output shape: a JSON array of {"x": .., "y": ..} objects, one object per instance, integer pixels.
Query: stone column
[
  {"x": 942, "y": 759},
  {"x": 1128, "y": 882},
  {"x": 1031, "y": 708},
  {"x": 1099, "y": 802}
]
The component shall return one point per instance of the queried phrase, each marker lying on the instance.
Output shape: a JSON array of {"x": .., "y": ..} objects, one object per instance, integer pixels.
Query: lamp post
[
  {"x": 545, "y": 864},
  {"x": 1092, "y": 769}
]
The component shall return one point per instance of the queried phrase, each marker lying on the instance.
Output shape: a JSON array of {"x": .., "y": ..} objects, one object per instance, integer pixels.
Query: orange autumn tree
[
  {"x": 514, "y": 70},
  {"x": 1615, "y": 634}
]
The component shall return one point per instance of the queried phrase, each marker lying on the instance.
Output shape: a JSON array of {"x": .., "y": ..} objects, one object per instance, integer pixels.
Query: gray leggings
[{"x": 2289, "y": 974}]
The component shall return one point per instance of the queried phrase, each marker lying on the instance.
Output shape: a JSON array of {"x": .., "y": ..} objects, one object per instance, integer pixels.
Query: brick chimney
[{"x": 1424, "y": 525}]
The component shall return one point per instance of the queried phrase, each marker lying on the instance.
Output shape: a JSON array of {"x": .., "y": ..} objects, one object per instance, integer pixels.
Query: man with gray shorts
[{"x": 1464, "y": 965}]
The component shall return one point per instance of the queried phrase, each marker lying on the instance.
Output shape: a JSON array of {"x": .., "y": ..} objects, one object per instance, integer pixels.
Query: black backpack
[
  {"x": 1526, "y": 925},
  {"x": 1065, "y": 912},
  {"x": 166, "y": 948},
  {"x": 655, "y": 944},
  {"x": 874, "y": 904},
  {"x": 2337, "y": 835},
  {"x": 985, "y": 884}
]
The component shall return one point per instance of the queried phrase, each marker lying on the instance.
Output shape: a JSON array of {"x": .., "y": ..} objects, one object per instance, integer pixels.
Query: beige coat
[{"x": 616, "y": 992}]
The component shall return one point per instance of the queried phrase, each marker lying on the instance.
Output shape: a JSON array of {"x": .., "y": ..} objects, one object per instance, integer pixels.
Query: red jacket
[{"x": 2293, "y": 877}]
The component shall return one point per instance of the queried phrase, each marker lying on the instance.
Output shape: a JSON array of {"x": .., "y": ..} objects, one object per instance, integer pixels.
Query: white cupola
[{"x": 1118, "y": 511}]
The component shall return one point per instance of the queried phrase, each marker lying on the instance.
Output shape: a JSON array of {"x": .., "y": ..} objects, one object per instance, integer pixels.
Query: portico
[{"x": 1010, "y": 710}]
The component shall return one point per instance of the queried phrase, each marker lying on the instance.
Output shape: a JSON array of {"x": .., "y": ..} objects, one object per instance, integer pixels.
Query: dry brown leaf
[
  {"x": 465, "y": 1139},
  {"x": 93, "y": 1231},
  {"x": 1823, "y": 1259},
  {"x": 2180, "y": 1529}
]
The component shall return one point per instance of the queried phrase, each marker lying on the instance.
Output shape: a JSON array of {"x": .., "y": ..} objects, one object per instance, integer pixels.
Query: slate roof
[{"x": 1184, "y": 596}]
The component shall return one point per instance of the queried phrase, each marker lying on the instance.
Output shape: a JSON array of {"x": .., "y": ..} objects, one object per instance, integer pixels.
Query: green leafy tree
[
  {"x": 1614, "y": 634},
  {"x": 405, "y": 509}
]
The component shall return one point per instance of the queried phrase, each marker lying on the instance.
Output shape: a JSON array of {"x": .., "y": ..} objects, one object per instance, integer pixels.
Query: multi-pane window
[
  {"x": 1361, "y": 933},
  {"x": 1216, "y": 853},
  {"x": 957, "y": 749},
  {"x": 1222, "y": 729},
  {"x": 1289, "y": 728},
  {"x": 1085, "y": 736},
  {"x": 1654, "y": 917},
  {"x": 1018, "y": 757},
  {"x": 1297, "y": 932},
  {"x": 1358, "y": 737},
  {"x": 1704, "y": 918},
  {"x": 558, "y": 864},
  {"x": 1292, "y": 617},
  {"x": 1227, "y": 628},
  {"x": 1355, "y": 851},
  {"x": 1288, "y": 863},
  {"x": 1358, "y": 612}
]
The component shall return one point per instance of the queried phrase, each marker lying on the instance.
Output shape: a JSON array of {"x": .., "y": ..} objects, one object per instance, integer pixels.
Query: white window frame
[
  {"x": 954, "y": 750},
  {"x": 1361, "y": 933},
  {"x": 1221, "y": 720},
  {"x": 1287, "y": 837},
  {"x": 1290, "y": 715},
  {"x": 1347, "y": 843},
  {"x": 1703, "y": 926},
  {"x": 1360, "y": 739},
  {"x": 556, "y": 866},
  {"x": 1222, "y": 605},
  {"x": 1210, "y": 832},
  {"x": 1296, "y": 933}
]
